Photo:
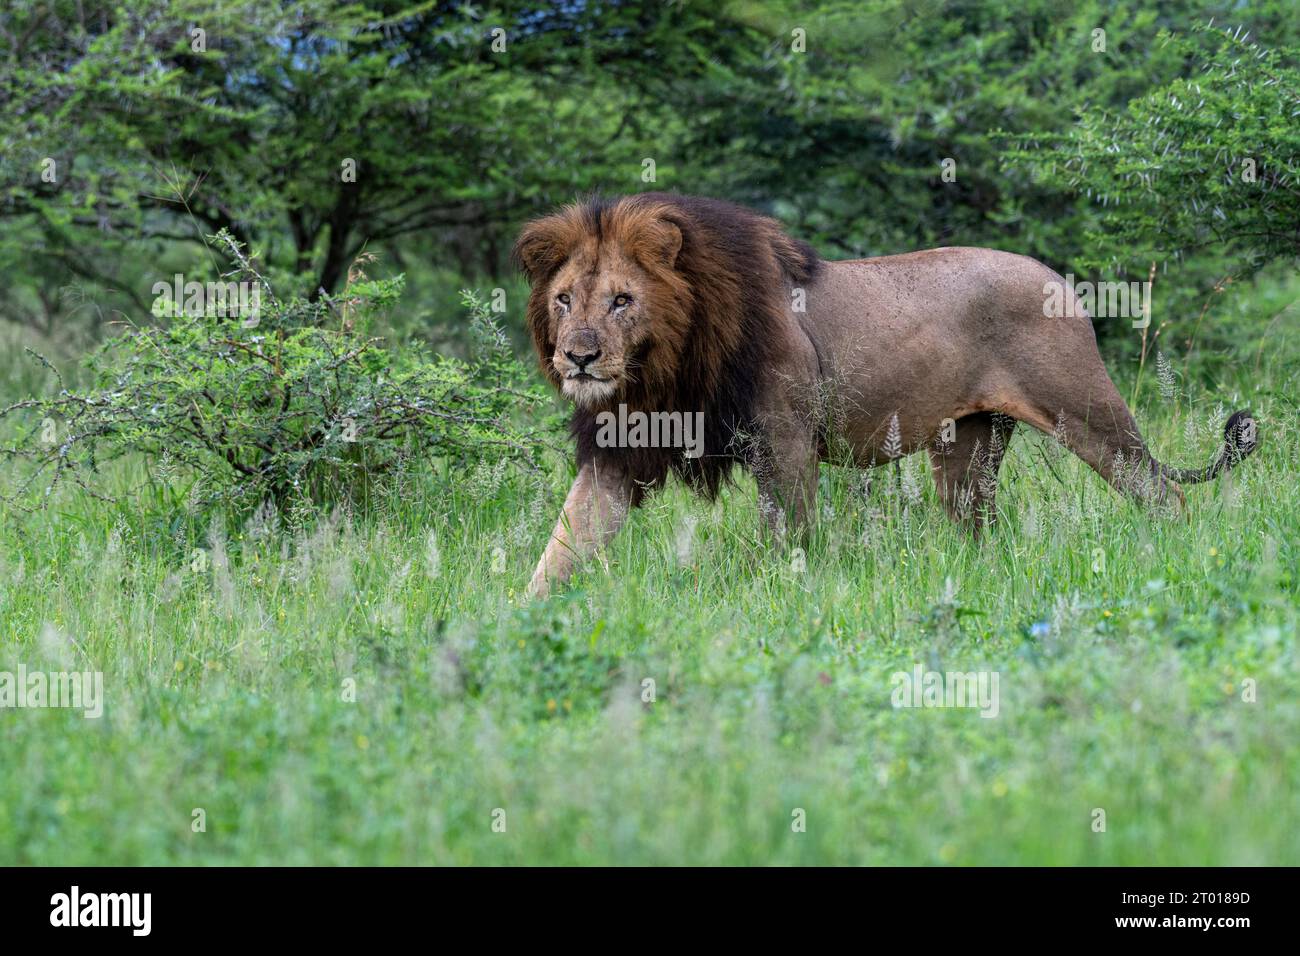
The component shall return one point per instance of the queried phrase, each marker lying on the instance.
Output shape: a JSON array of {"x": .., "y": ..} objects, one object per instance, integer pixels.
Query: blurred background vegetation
[{"x": 1105, "y": 138}]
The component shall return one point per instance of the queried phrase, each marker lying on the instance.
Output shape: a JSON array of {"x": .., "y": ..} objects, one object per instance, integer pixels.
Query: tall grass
[{"x": 371, "y": 687}]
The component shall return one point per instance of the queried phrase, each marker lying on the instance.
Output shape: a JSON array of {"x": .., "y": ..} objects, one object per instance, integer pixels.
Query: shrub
[
  {"x": 1209, "y": 163},
  {"x": 281, "y": 399}
]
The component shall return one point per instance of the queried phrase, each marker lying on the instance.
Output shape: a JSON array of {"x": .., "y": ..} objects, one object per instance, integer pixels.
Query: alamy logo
[
  {"x": 78, "y": 690},
  {"x": 1101, "y": 300},
  {"x": 218, "y": 299},
  {"x": 634, "y": 429},
  {"x": 922, "y": 688},
  {"x": 103, "y": 909}
]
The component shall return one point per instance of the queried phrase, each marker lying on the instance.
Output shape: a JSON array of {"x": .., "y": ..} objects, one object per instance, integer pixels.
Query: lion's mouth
[{"x": 587, "y": 388}]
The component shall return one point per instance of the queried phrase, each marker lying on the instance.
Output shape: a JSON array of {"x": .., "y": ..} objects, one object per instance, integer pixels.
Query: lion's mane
[{"x": 716, "y": 313}]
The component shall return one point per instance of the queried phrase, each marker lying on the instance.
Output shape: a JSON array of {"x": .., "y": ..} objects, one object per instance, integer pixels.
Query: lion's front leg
[
  {"x": 595, "y": 509},
  {"x": 787, "y": 484}
]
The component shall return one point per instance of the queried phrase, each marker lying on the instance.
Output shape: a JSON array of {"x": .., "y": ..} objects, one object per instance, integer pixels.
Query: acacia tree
[{"x": 313, "y": 129}]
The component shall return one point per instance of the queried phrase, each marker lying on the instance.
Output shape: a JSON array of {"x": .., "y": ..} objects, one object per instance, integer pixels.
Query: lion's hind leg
[
  {"x": 1096, "y": 424},
  {"x": 966, "y": 468}
]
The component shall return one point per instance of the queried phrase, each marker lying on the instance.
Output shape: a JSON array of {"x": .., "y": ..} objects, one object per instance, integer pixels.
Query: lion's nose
[{"x": 581, "y": 359}]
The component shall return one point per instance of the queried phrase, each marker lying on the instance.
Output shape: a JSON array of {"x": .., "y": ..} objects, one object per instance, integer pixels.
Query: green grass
[{"x": 1123, "y": 641}]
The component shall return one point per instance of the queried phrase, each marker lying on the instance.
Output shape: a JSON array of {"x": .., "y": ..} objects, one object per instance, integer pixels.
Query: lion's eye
[
  {"x": 563, "y": 299},
  {"x": 621, "y": 300}
]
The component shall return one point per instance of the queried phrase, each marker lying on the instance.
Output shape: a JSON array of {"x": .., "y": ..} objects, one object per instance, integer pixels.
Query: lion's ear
[
  {"x": 670, "y": 243},
  {"x": 657, "y": 242},
  {"x": 544, "y": 245}
]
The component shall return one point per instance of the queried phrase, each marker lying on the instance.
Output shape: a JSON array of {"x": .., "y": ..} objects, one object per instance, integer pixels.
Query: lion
[{"x": 662, "y": 303}]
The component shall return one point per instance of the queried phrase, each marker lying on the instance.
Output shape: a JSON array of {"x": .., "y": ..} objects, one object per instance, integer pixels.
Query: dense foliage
[
  {"x": 314, "y": 129},
  {"x": 1207, "y": 162}
]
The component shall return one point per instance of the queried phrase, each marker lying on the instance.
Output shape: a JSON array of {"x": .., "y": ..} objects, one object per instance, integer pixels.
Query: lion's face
[
  {"x": 607, "y": 310},
  {"x": 600, "y": 325}
]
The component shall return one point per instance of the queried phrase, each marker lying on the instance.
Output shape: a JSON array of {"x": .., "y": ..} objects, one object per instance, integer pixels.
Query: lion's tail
[{"x": 1240, "y": 438}]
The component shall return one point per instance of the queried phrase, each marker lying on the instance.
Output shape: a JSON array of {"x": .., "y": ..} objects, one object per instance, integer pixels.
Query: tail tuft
[{"x": 1240, "y": 437}]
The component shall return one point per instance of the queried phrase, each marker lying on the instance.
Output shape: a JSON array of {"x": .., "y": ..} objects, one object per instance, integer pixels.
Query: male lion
[{"x": 666, "y": 303}]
